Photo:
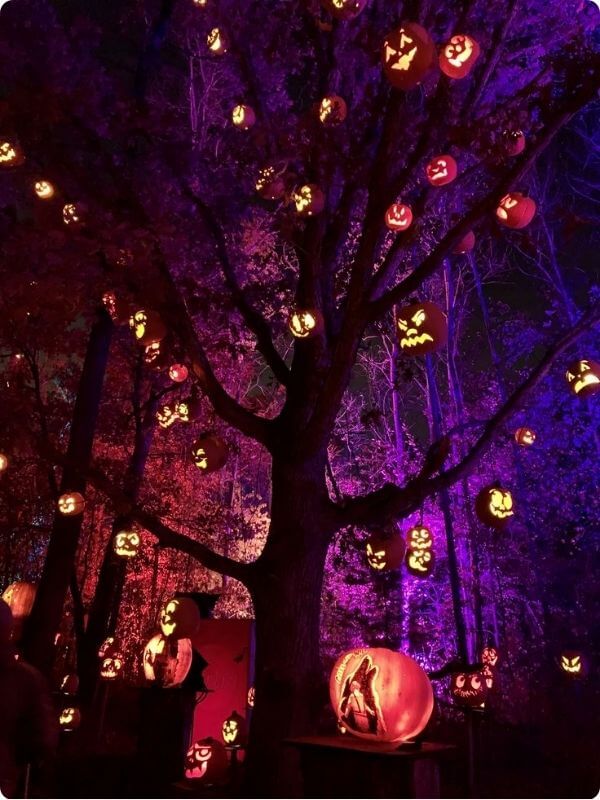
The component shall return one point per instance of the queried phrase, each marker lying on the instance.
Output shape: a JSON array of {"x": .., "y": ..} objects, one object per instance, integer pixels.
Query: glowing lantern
[
  {"x": 178, "y": 373},
  {"x": 217, "y": 42},
  {"x": 206, "y": 761},
  {"x": 71, "y": 214},
  {"x": 179, "y": 618},
  {"x": 166, "y": 416},
  {"x": 515, "y": 210},
  {"x": 11, "y": 155},
  {"x": 111, "y": 667},
  {"x": 489, "y": 656},
  {"x": 494, "y": 506},
  {"x": 524, "y": 437},
  {"x": 251, "y": 697},
  {"x": 167, "y": 661},
  {"x": 344, "y": 9},
  {"x": 469, "y": 689},
  {"x": 3, "y": 462},
  {"x": 422, "y": 328},
  {"x": 573, "y": 664},
  {"x": 70, "y": 684},
  {"x": 270, "y": 184},
  {"x": 233, "y": 730},
  {"x": 304, "y": 323},
  {"x": 441, "y": 170},
  {"x": 20, "y": 596},
  {"x": 408, "y": 54},
  {"x": 243, "y": 117},
  {"x": 459, "y": 56},
  {"x": 398, "y": 217},
  {"x": 69, "y": 718},
  {"x": 466, "y": 244},
  {"x": 309, "y": 200},
  {"x": 513, "y": 142},
  {"x": 126, "y": 544},
  {"x": 147, "y": 327},
  {"x": 210, "y": 453},
  {"x": 379, "y": 694},
  {"x": 385, "y": 553},
  {"x": 583, "y": 377},
  {"x": 188, "y": 410},
  {"x": 71, "y": 504},
  {"x": 419, "y": 553},
  {"x": 156, "y": 355},
  {"x": 44, "y": 190},
  {"x": 332, "y": 110}
]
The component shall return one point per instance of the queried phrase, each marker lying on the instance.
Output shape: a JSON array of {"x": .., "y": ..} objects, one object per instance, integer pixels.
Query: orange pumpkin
[
  {"x": 515, "y": 210},
  {"x": 459, "y": 56},
  {"x": 408, "y": 54},
  {"x": 385, "y": 552},
  {"x": 441, "y": 170},
  {"x": 20, "y": 596},
  {"x": 466, "y": 243},
  {"x": 398, "y": 217}
]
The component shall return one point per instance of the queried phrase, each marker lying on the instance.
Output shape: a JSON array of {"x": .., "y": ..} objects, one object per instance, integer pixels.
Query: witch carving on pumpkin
[{"x": 359, "y": 706}]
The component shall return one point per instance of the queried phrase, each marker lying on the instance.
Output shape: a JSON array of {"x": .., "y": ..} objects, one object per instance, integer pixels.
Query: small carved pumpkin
[
  {"x": 469, "y": 689},
  {"x": 70, "y": 684},
  {"x": 398, "y": 217},
  {"x": 166, "y": 416},
  {"x": 250, "y": 699},
  {"x": 72, "y": 215},
  {"x": 156, "y": 355},
  {"x": 71, "y": 504},
  {"x": 243, "y": 117},
  {"x": 524, "y": 436},
  {"x": 515, "y": 210},
  {"x": 270, "y": 184},
  {"x": 309, "y": 200},
  {"x": 20, "y": 596},
  {"x": 210, "y": 453},
  {"x": 466, "y": 244},
  {"x": 178, "y": 373},
  {"x": 167, "y": 661},
  {"x": 126, "y": 544},
  {"x": 233, "y": 730},
  {"x": 69, "y": 718},
  {"x": 513, "y": 142},
  {"x": 422, "y": 328},
  {"x": 332, "y": 110},
  {"x": 344, "y": 9},
  {"x": 44, "y": 190},
  {"x": 385, "y": 553},
  {"x": 3, "y": 462},
  {"x": 408, "y": 54},
  {"x": 206, "y": 761},
  {"x": 180, "y": 618},
  {"x": 11, "y": 155},
  {"x": 304, "y": 322},
  {"x": 420, "y": 562},
  {"x": 217, "y": 42},
  {"x": 583, "y": 377},
  {"x": 459, "y": 55},
  {"x": 573, "y": 664},
  {"x": 489, "y": 656},
  {"x": 441, "y": 170},
  {"x": 494, "y": 506},
  {"x": 111, "y": 667},
  {"x": 147, "y": 327}
]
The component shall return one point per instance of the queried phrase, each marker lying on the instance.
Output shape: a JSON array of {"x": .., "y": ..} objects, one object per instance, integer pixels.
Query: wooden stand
[{"x": 339, "y": 766}]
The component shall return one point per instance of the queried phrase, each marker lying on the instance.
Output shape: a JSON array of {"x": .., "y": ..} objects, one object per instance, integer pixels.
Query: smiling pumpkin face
[
  {"x": 441, "y": 170},
  {"x": 243, "y": 117},
  {"x": 71, "y": 504},
  {"x": 69, "y": 718},
  {"x": 344, "y": 9},
  {"x": 408, "y": 53},
  {"x": 422, "y": 328},
  {"x": 210, "y": 453},
  {"x": 420, "y": 562},
  {"x": 459, "y": 55},
  {"x": 44, "y": 190},
  {"x": 515, "y": 210},
  {"x": 111, "y": 667},
  {"x": 469, "y": 689},
  {"x": 583, "y": 377},
  {"x": 398, "y": 217},
  {"x": 179, "y": 618},
  {"x": 126, "y": 544},
  {"x": 309, "y": 200},
  {"x": 206, "y": 761},
  {"x": 494, "y": 506},
  {"x": 11, "y": 154},
  {"x": 304, "y": 322},
  {"x": 233, "y": 730},
  {"x": 525, "y": 437}
]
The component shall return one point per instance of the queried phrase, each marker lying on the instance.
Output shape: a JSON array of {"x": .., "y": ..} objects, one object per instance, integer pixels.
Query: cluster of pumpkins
[{"x": 387, "y": 551}]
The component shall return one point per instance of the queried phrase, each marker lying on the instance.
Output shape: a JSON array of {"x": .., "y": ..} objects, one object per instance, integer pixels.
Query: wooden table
[{"x": 342, "y": 766}]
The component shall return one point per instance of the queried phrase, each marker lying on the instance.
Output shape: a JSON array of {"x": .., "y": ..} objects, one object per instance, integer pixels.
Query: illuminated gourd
[
  {"x": 419, "y": 553},
  {"x": 494, "y": 506},
  {"x": 250, "y": 699},
  {"x": 210, "y": 453},
  {"x": 489, "y": 656},
  {"x": 515, "y": 210},
  {"x": 408, "y": 54},
  {"x": 380, "y": 695},
  {"x": 71, "y": 214},
  {"x": 126, "y": 544},
  {"x": 188, "y": 410},
  {"x": 44, "y": 190},
  {"x": 20, "y": 596},
  {"x": 332, "y": 110},
  {"x": 233, "y": 730},
  {"x": 441, "y": 170},
  {"x": 178, "y": 373},
  {"x": 206, "y": 761},
  {"x": 147, "y": 327},
  {"x": 70, "y": 684},
  {"x": 385, "y": 553},
  {"x": 466, "y": 244},
  {"x": 344, "y": 9},
  {"x": 469, "y": 689},
  {"x": 167, "y": 661},
  {"x": 243, "y": 117},
  {"x": 11, "y": 155},
  {"x": 524, "y": 436},
  {"x": 69, "y": 719},
  {"x": 270, "y": 184},
  {"x": 304, "y": 322},
  {"x": 459, "y": 55},
  {"x": 3, "y": 462},
  {"x": 217, "y": 42},
  {"x": 513, "y": 142},
  {"x": 398, "y": 217},
  {"x": 422, "y": 328},
  {"x": 572, "y": 663},
  {"x": 71, "y": 504},
  {"x": 179, "y": 618},
  {"x": 111, "y": 667},
  {"x": 583, "y": 377},
  {"x": 309, "y": 200}
]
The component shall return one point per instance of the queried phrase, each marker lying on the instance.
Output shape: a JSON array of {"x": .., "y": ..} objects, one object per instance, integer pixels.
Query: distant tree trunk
[{"x": 45, "y": 618}]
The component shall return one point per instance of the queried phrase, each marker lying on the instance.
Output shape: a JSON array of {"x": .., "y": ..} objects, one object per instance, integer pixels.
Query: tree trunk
[{"x": 45, "y": 618}]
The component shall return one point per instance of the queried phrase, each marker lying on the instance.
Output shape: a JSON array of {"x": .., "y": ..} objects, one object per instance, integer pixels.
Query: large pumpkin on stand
[
  {"x": 380, "y": 695},
  {"x": 206, "y": 761}
]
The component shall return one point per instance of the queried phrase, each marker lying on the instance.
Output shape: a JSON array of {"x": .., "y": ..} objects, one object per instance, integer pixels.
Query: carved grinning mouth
[
  {"x": 588, "y": 379},
  {"x": 197, "y": 772},
  {"x": 412, "y": 341}
]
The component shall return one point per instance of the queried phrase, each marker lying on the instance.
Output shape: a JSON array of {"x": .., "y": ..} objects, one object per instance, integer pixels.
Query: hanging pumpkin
[
  {"x": 72, "y": 215},
  {"x": 11, "y": 155},
  {"x": 70, "y": 684},
  {"x": 251, "y": 697},
  {"x": 332, "y": 110},
  {"x": 515, "y": 210},
  {"x": 69, "y": 718},
  {"x": 408, "y": 54},
  {"x": 469, "y": 689},
  {"x": 304, "y": 323},
  {"x": 398, "y": 217},
  {"x": 206, "y": 761},
  {"x": 489, "y": 656},
  {"x": 71, "y": 504},
  {"x": 178, "y": 373},
  {"x": 459, "y": 55},
  {"x": 385, "y": 552},
  {"x": 583, "y": 377},
  {"x": 381, "y": 695},
  {"x": 513, "y": 142},
  {"x": 270, "y": 184},
  {"x": 494, "y": 506},
  {"x": 156, "y": 355},
  {"x": 180, "y": 618},
  {"x": 111, "y": 667},
  {"x": 309, "y": 200},
  {"x": 466, "y": 244},
  {"x": 422, "y": 328},
  {"x": 217, "y": 42},
  {"x": 524, "y": 436},
  {"x": 147, "y": 327},
  {"x": 20, "y": 596},
  {"x": 243, "y": 117},
  {"x": 573, "y": 664},
  {"x": 167, "y": 661},
  {"x": 344, "y": 9},
  {"x": 3, "y": 462},
  {"x": 419, "y": 553},
  {"x": 44, "y": 190},
  {"x": 234, "y": 731},
  {"x": 166, "y": 416},
  {"x": 441, "y": 170},
  {"x": 126, "y": 544},
  {"x": 189, "y": 409},
  {"x": 210, "y": 453}
]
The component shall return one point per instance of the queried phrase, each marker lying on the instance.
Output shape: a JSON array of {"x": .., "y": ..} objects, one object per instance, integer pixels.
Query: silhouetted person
[{"x": 28, "y": 725}]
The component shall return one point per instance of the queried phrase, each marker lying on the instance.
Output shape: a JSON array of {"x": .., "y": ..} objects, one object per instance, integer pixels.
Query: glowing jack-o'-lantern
[
  {"x": 494, "y": 506},
  {"x": 398, "y": 217},
  {"x": 69, "y": 718},
  {"x": 419, "y": 554},
  {"x": 572, "y": 663},
  {"x": 250, "y": 699},
  {"x": 243, "y": 117},
  {"x": 166, "y": 416},
  {"x": 3, "y": 462},
  {"x": 489, "y": 656},
  {"x": 210, "y": 453},
  {"x": 515, "y": 210},
  {"x": 380, "y": 695},
  {"x": 167, "y": 661},
  {"x": 270, "y": 184},
  {"x": 11, "y": 155},
  {"x": 304, "y": 323},
  {"x": 466, "y": 244},
  {"x": 332, "y": 110},
  {"x": 71, "y": 504},
  {"x": 156, "y": 355},
  {"x": 217, "y": 42},
  {"x": 179, "y": 618},
  {"x": 422, "y": 328},
  {"x": 71, "y": 214},
  {"x": 513, "y": 142},
  {"x": 44, "y": 190},
  {"x": 385, "y": 553},
  {"x": 20, "y": 596},
  {"x": 469, "y": 689},
  {"x": 126, "y": 544},
  {"x": 344, "y": 9},
  {"x": 524, "y": 436},
  {"x": 441, "y": 170},
  {"x": 111, "y": 667},
  {"x": 583, "y": 377},
  {"x": 309, "y": 200},
  {"x": 206, "y": 761},
  {"x": 147, "y": 327},
  {"x": 70, "y": 684},
  {"x": 178, "y": 373},
  {"x": 459, "y": 56},
  {"x": 408, "y": 54},
  {"x": 233, "y": 730}
]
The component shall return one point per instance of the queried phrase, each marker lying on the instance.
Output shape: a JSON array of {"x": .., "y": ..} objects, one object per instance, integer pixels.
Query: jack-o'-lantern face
[
  {"x": 303, "y": 323},
  {"x": 524, "y": 436},
  {"x": 489, "y": 656},
  {"x": 494, "y": 506},
  {"x": 196, "y": 762},
  {"x": 111, "y": 666},
  {"x": 11, "y": 154},
  {"x": 309, "y": 200},
  {"x": 200, "y": 3},
  {"x": 3, "y": 462},
  {"x": 469, "y": 689},
  {"x": 332, "y": 110},
  {"x": 419, "y": 538},
  {"x": 209, "y": 453},
  {"x": 375, "y": 558},
  {"x": 201, "y": 458},
  {"x": 345, "y": 9},
  {"x": 71, "y": 215},
  {"x": 138, "y": 324},
  {"x": 458, "y": 56},
  {"x": 441, "y": 170},
  {"x": 385, "y": 551},
  {"x": 243, "y": 117},
  {"x": 44, "y": 190},
  {"x": 398, "y": 217},
  {"x": 71, "y": 504},
  {"x": 152, "y": 353},
  {"x": 178, "y": 373},
  {"x": 126, "y": 544},
  {"x": 419, "y": 562},
  {"x": 69, "y": 718},
  {"x": 233, "y": 730},
  {"x": 166, "y": 417},
  {"x": 108, "y": 647},
  {"x": 148, "y": 328},
  {"x": 270, "y": 184},
  {"x": 583, "y": 377},
  {"x": 572, "y": 663},
  {"x": 501, "y": 503},
  {"x": 515, "y": 210},
  {"x": 400, "y": 55},
  {"x": 168, "y": 621},
  {"x": 206, "y": 760},
  {"x": 230, "y": 731},
  {"x": 251, "y": 697},
  {"x": 422, "y": 328},
  {"x": 217, "y": 42},
  {"x": 407, "y": 54}
]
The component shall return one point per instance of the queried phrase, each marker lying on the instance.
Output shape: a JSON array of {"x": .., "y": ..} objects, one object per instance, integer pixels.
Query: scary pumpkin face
[
  {"x": 251, "y": 697},
  {"x": 179, "y": 618},
  {"x": 524, "y": 436},
  {"x": 441, "y": 170},
  {"x": 206, "y": 761},
  {"x": 233, "y": 730},
  {"x": 71, "y": 504},
  {"x": 126, "y": 544},
  {"x": 408, "y": 53},
  {"x": 44, "y": 190},
  {"x": 398, "y": 217},
  {"x": 466, "y": 244},
  {"x": 583, "y": 377},
  {"x": 210, "y": 453},
  {"x": 469, "y": 689},
  {"x": 309, "y": 200},
  {"x": 422, "y": 328},
  {"x": 178, "y": 373},
  {"x": 3, "y": 462},
  {"x": 513, "y": 142},
  {"x": 217, "y": 42},
  {"x": 147, "y": 327},
  {"x": 111, "y": 667},
  {"x": 344, "y": 9},
  {"x": 69, "y": 718},
  {"x": 420, "y": 562},
  {"x": 489, "y": 656},
  {"x": 332, "y": 110},
  {"x": 11, "y": 155},
  {"x": 385, "y": 552},
  {"x": 459, "y": 56},
  {"x": 515, "y": 210},
  {"x": 270, "y": 184},
  {"x": 69, "y": 684},
  {"x": 304, "y": 323},
  {"x": 572, "y": 663},
  {"x": 243, "y": 117},
  {"x": 419, "y": 538},
  {"x": 71, "y": 215},
  {"x": 494, "y": 506},
  {"x": 166, "y": 661}
]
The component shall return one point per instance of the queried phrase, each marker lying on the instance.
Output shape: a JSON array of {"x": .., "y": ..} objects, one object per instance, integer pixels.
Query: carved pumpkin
[
  {"x": 489, "y": 656},
  {"x": 243, "y": 117},
  {"x": 524, "y": 436},
  {"x": 20, "y": 596},
  {"x": 494, "y": 506},
  {"x": 126, "y": 544},
  {"x": 304, "y": 323},
  {"x": 332, "y": 110},
  {"x": 251, "y": 697},
  {"x": 206, "y": 761},
  {"x": 515, "y": 210},
  {"x": 178, "y": 373},
  {"x": 583, "y": 377},
  {"x": 408, "y": 54},
  {"x": 44, "y": 190},
  {"x": 513, "y": 142},
  {"x": 147, "y": 327},
  {"x": 71, "y": 504},
  {"x": 3, "y": 462},
  {"x": 270, "y": 184},
  {"x": 385, "y": 552},
  {"x": 466, "y": 244},
  {"x": 119, "y": 310},
  {"x": 156, "y": 355},
  {"x": 398, "y": 217},
  {"x": 309, "y": 200},
  {"x": 379, "y": 694},
  {"x": 180, "y": 618},
  {"x": 441, "y": 170},
  {"x": 419, "y": 554},
  {"x": 70, "y": 684},
  {"x": 69, "y": 718},
  {"x": 422, "y": 328},
  {"x": 109, "y": 647},
  {"x": 344, "y": 9},
  {"x": 469, "y": 689},
  {"x": 11, "y": 155},
  {"x": 217, "y": 42},
  {"x": 573, "y": 664},
  {"x": 233, "y": 730},
  {"x": 167, "y": 661},
  {"x": 72, "y": 215},
  {"x": 166, "y": 416},
  {"x": 111, "y": 667},
  {"x": 210, "y": 453},
  {"x": 459, "y": 55}
]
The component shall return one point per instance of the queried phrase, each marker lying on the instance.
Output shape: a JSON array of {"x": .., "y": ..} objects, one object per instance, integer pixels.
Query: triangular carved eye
[
  {"x": 584, "y": 366},
  {"x": 419, "y": 317},
  {"x": 570, "y": 376}
]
